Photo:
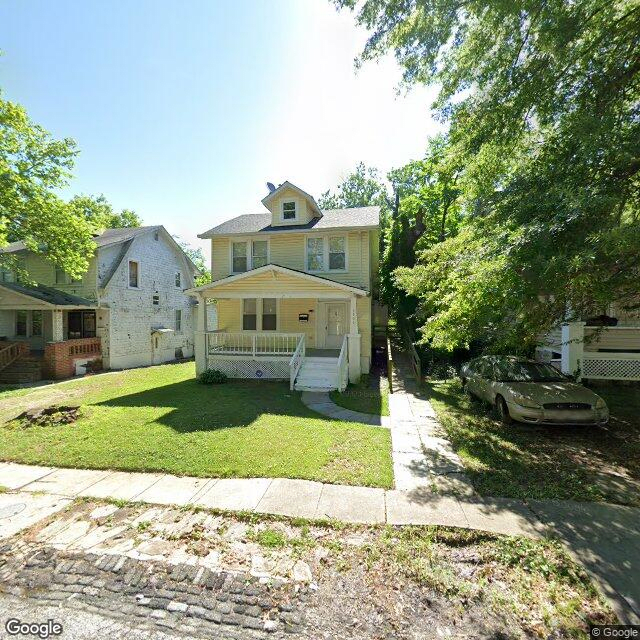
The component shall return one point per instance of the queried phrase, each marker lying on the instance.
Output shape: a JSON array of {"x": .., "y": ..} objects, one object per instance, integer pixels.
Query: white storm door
[{"x": 336, "y": 325}]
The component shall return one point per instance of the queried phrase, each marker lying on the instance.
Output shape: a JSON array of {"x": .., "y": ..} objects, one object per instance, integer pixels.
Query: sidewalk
[{"x": 605, "y": 538}]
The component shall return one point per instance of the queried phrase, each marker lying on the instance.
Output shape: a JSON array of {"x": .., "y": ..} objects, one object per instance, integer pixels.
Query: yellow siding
[
  {"x": 288, "y": 250},
  {"x": 265, "y": 283},
  {"x": 229, "y": 315},
  {"x": 288, "y": 320},
  {"x": 220, "y": 267},
  {"x": 304, "y": 213},
  {"x": 44, "y": 272},
  {"x": 614, "y": 338}
]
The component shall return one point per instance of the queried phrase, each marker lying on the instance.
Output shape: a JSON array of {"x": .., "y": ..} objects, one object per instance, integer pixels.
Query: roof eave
[
  {"x": 276, "y": 267},
  {"x": 208, "y": 235}
]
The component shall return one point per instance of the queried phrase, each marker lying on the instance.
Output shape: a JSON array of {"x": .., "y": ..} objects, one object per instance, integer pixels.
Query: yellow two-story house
[{"x": 293, "y": 290}]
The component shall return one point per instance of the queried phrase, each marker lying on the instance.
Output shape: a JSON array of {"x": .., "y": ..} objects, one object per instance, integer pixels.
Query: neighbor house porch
[
  {"x": 277, "y": 323},
  {"x": 46, "y": 333},
  {"x": 593, "y": 352}
]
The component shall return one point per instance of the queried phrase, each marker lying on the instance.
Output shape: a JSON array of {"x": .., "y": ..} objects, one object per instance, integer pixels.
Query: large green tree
[
  {"x": 33, "y": 167},
  {"x": 543, "y": 102},
  {"x": 100, "y": 215}
]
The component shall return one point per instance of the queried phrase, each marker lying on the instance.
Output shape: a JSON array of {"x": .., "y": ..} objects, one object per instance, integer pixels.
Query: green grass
[
  {"x": 161, "y": 419},
  {"x": 361, "y": 397},
  {"x": 539, "y": 462}
]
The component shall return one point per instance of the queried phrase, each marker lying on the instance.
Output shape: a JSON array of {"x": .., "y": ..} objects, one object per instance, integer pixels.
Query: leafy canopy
[
  {"x": 543, "y": 102},
  {"x": 33, "y": 168}
]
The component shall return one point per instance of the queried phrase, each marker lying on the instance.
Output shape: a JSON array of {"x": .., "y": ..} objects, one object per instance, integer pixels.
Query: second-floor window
[
  {"x": 289, "y": 211},
  {"x": 61, "y": 276},
  {"x": 249, "y": 254},
  {"x": 178, "y": 279},
  {"x": 239, "y": 257},
  {"x": 134, "y": 274},
  {"x": 178, "y": 319},
  {"x": 326, "y": 253}
]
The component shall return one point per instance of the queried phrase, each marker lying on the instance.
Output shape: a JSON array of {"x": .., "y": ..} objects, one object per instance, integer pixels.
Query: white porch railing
[
  {"x": 597, "y": 353},
  {"x": 296, "y": 362},
  {"x": 343, "y": 365},
  {"x": 252, "y": 344}
]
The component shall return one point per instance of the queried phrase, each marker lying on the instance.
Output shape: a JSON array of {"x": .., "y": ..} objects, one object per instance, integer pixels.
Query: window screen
[
  {"x": 288, "y": 210},
  {"x": 269, "y": 314},
  {"x": 337, "y": 258},
  {"x": 249, "y": 314},
  {"x": 315, "y": 254},
  {"x": 133, "y": 274},
  {"x": 239, "y": 257},
  {"x": 259, "y": 253}
]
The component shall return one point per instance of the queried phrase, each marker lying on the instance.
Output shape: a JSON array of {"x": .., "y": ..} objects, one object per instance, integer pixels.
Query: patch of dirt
[{"x": 48, "y": 416}]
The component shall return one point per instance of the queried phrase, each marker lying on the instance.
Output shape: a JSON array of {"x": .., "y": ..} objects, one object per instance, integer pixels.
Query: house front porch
[
  {"x": 276, "y": 323},
  {"x": 593, "y": 352},
  {"x": 46, "y": 333}
]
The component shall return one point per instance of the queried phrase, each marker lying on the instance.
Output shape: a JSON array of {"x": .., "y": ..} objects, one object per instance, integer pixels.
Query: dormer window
[{"x": 289, "y": 210}]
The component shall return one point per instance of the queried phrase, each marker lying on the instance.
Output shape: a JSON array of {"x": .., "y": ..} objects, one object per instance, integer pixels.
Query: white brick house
[{"x": 130, "y": 308}]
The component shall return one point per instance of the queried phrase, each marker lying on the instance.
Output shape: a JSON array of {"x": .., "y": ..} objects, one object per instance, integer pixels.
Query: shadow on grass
[
  {"x": 527, "y": 461},
  {"x": 196, "y": 407}
]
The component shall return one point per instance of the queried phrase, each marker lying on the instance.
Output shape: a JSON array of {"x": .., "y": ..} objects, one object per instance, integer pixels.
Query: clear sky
[{"x": 184, "y": 109}]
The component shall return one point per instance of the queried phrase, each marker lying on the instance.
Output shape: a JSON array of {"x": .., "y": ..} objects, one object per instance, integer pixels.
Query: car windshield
[{"x": 527, "y": 372}]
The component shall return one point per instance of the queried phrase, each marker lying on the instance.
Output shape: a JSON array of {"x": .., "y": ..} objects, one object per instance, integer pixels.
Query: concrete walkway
[
  {"x": 323, "y": 404},
  {"x": 421, "y": 457}
]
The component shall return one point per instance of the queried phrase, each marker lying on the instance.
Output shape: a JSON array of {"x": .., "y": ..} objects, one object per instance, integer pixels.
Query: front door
[{"x": 336, "y": 324}]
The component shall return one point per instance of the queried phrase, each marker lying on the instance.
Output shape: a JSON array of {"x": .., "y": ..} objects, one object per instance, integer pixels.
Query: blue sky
[{"x": 183, "y": 110}]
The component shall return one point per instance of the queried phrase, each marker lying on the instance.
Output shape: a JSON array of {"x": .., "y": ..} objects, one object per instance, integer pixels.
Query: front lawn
[
  {"x": 539, "y": 462},
  {"x": 363, "y": 397},
  {"x": 160, "y": 419}
]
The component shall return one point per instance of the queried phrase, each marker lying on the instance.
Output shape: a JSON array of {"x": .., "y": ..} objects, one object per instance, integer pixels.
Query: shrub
[{"x": 212, "y": 376}]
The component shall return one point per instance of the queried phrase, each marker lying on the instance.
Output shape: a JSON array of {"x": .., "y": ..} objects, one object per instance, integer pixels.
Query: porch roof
[
  {"x": 273, "y": 281},
  {"x": 44, "y": 296}
]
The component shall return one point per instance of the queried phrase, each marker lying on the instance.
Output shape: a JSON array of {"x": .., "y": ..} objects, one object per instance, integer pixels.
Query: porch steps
[
  {"x": 23, "y": 369},
  {"x": 317, "y": 374}
]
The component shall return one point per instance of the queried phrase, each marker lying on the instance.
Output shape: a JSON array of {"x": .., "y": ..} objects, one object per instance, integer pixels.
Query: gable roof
[
  {"x": 353, "y": 218},
  {"x": 288, "y": 185},
  {"x": 111, "y": 237},
  {"x": 49, "y": 295},
  {"x": 279, "y": 269},
  {"x": 107, "y": 237}
]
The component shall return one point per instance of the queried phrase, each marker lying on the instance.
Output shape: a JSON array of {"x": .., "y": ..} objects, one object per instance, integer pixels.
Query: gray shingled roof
[
  {"x": 365, "y": 217},
  {"x": 110, "y": 236},
  {"x": 49, "y": 295}
]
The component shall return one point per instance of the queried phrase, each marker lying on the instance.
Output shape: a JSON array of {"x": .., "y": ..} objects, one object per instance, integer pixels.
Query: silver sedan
[{"x": 532, "y": 392}]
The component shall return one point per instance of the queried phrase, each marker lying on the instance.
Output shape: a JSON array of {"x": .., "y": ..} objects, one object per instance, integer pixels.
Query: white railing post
[
  {"x": 296, "y": 361},
  {"x": 201, "y": 343},
  {"x": 572, "y": 347}
]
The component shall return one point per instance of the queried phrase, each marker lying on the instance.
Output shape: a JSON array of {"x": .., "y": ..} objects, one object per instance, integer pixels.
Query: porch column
[
  {"x": 572, "y": 347},
  {"x": 57, "y": 326},
  {"x": 200, "y": 336},
  {"x": 354, "y": 343}
]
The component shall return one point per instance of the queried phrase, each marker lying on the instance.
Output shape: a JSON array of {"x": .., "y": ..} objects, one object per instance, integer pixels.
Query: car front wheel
[{"x": 503, "y": 410}]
